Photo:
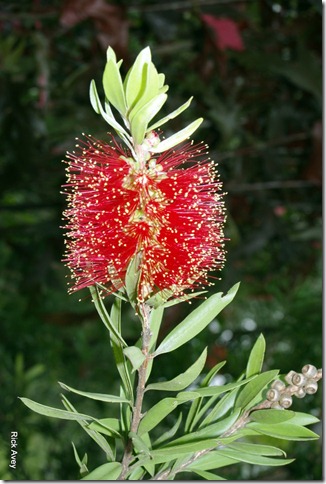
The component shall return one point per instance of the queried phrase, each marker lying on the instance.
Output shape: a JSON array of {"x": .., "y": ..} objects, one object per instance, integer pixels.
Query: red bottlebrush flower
[
  {"x": 226, "y": 32},
  {"x": 167, "y": 210}
]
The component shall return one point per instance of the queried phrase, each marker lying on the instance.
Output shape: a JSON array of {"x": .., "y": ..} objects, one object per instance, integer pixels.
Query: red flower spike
[
  {"x": 226, "y": 32},
  {"x": 167, "y": 209}
]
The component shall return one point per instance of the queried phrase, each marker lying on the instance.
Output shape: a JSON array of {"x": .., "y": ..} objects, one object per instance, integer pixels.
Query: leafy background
[{"x": 256, "y": 79}]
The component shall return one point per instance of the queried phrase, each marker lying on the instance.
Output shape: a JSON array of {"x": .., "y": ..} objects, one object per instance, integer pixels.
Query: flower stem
[{"x": 144, "y": 313}]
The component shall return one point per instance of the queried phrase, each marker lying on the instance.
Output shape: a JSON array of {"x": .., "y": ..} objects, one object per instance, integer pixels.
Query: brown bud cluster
[{"x": 297, "y": 384}]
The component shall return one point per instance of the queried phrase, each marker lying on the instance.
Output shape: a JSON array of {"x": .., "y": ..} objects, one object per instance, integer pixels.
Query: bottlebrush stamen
[{"x": 169, "y": 208}]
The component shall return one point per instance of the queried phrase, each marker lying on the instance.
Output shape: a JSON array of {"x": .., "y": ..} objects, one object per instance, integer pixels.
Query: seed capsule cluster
[{"x": 297, "y": 384}]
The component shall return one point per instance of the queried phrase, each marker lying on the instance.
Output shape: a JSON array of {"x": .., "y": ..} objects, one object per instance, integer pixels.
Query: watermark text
[{"x": 13, "y": 449}]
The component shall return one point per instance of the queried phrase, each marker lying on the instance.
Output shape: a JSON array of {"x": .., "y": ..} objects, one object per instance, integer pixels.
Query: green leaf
[
  {"x": 220, "y": 409},
  {"x": 186, "y": 297},
  {"x": 137, "y": 79},
  {"x": 53, "y": 412},
  {"x": 252, "y": 391},
  {"x": 137, "y": 474},
  {"x": 196, "y": 321},
  {"x": 140, "y": 120},
  {"x": 155, "y": 321},
  {"x": 209, "y": 432},
  {"x": 187, "y": 448},
  {"x": 161, "y": 409},
  {"x": 98, "y": 302},
  {"x": 159, "y": 298},
  {"x": 301, "y": 418},
  {"x": 256, "y": 357},
  {"x": 107, "y": 426},
  {"x": 98, "y": 438},
  {"x": 139, "y": 444},
  {"x": 183, "y": 380},
  {"x": 172, "y": 115},
  {"x": 106, "y": 472},
  {"x": 271, "y": 416},
  {"x": 135, "y": 355},
  {"x": 132, "y": 278},
  {"x": 194, "y": 411},
  {"x": 286, "y": 431},
  {"x": 218, "y": 390},
  {"x": 170, "y": 433},
  {"x": 96, "y": 396},
  {"x": 117, "y": 347},
  {"x": 82, "y": 463},
  {"x": 212, "y": 373},
  {"x": 178, "y": 137},
  {"x": 256, "y": 449},
  {"x": 212, "y": 460},
  {"x": 112, "y": 83},
  {"x": 208, "y": 476},
  {"x": 255, "y": 459},
  {"x": 108, "y": 115}
]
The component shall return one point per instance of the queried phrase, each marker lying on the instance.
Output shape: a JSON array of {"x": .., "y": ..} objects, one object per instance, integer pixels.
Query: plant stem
[{"x": 144, "y": 312}]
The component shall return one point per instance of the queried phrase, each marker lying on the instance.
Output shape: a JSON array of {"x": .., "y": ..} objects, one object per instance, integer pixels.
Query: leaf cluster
[{"x": 215, "y": 426}]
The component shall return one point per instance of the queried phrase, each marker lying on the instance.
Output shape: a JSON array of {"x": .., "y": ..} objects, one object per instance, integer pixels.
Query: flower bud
[
  {"x": 289, "y": 376},
  {"x": 300, "y": 393},
  {"x": 319, "y": 374},
  {"x": 278, "y": 385},
  {"x": 286, "y": 400},
  {"x": 276, "y": 406},
  {"x": 311, "y": 387},
  {"x": 273, "y": 395},
  {"x": 298, "y": 379},
  {"x": 292, "y": 389},
  {"x": 309, "y": 371}
]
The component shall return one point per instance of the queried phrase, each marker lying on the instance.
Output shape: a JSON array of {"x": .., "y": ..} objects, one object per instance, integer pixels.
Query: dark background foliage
[{"x": 256, "y": 79}]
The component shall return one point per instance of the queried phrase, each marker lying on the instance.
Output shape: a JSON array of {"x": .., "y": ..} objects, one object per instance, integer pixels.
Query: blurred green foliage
[{"x": 262, "y": 110}]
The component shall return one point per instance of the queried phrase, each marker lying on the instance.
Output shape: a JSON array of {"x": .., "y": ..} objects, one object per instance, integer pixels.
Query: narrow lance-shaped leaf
[
  {"x": 208, "y": 476},
  {"x": 155, "y": 320},
  {"x": 211, "y": 431},
  {"x": 108, "y": 115},
  {"x": 120, "y": 359},
  {"x": 140, "y": 120},
  {"x": 251, "y": 392},
  {"x": 271, "y": 416},
  {"x": 106, "y": 472},
  {"x": 284, "y": 430},
  {"x": 159, "y": 411},
  {"x": 255, "y": 449},
  {"x": 135, "y": 355},
  {"x": 196, "y": 321},
  {"x": 98, "y": 438},
  {"x": 195, "y": 408},
  {"x": 255, "y": 459},
  {"x": 132, "y": 278},
  {"x": 187, "y": 297},
  {"x": 104, "y": 315},
  {"x": 170, "y": 433},
  {"x": 178, "y": 137},
  {"x": 95, "y": 396},
  {"x": 107, "y": 426},
  {"x": 184, "y": 379},
  {"x": 53, "y": 412},
  {"x": 214, "y": 390},
  {"x": 82, "y": 463},
  {"x": 256, "y": 357},
  {"x": 137, "y": 77},
  {"x": 172, "y": 115},
  {"x": 112, "y": 83}
]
